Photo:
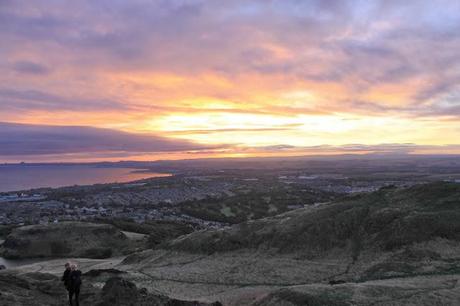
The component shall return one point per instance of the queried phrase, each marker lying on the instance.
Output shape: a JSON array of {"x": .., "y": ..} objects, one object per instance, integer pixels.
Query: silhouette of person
[
  {"x": 75, "y": 283},
  {"x": 66, "y": 276}
]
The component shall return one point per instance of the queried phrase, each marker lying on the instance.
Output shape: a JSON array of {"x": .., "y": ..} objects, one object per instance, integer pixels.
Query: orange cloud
[{"x": 232, "y": 74}]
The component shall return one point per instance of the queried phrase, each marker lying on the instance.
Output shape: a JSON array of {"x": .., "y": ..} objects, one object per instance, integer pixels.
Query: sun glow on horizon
[
  {"x": 253, "y": 129},
  {"x": 225, "y": 77}
]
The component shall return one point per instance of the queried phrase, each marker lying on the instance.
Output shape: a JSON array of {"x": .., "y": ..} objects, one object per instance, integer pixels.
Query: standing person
[
  {"x": 75, "y": 283},
  {"x": 66, "y": 276}
]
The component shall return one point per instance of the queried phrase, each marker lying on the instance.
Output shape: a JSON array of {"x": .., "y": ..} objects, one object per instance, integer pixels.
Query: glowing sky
[{"x": 138, "y": 79}]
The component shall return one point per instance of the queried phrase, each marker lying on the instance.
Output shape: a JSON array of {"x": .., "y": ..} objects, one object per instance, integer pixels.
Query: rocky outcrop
[
  {"x": 67, "y": 239},
  {"x": 120, "y": 292}
]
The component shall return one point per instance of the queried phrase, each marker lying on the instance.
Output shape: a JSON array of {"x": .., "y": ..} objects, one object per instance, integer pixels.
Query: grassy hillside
[
  {"x": 253, "y": 205},
  {"x": 391, "y": 247},
  {"x": 73, "y": 239},
  {"x": 386, "y": 220}
]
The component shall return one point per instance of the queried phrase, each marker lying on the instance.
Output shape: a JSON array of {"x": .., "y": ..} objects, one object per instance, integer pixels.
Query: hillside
[
  {"x": 32, "y": 289},
  {"x": 393, "y": 242},
  {"x": 72, "y": 239},
  {"x": 386, "y": 220},
  {"x": 250, "y": 204},
  {"x": 391, "y": 247}
]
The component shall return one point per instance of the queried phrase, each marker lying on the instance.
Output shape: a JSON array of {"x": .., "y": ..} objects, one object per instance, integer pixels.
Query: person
[
  {"x": 66, "y": 276},
  {"x": 75, "y": 283}
]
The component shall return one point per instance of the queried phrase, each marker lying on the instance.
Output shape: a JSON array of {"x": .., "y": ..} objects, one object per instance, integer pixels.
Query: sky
[{"x": 146, "y": 80}]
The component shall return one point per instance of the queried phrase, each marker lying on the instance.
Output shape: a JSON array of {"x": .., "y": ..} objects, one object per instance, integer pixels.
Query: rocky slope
[{"x": 67, "y": 239}]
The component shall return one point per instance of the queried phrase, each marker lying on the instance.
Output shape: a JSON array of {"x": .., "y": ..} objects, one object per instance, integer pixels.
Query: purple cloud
[
  {"x": 30, "y": 68},
  {"x": 26, "y": 139},
  {"x": 110, "y": 56},
  {"x": 21, "y": 100}
]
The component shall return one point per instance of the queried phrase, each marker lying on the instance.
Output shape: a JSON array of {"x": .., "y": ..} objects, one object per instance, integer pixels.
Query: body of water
[{"x": 23, "y": 177}]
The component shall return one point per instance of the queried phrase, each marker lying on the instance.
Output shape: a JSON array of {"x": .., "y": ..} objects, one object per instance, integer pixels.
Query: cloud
[
  {"x": 26, "y": 139},
  {"x": 41, "y": 142},
  {"x": 130, "y": 63},
  {"x": 30, "y": 68},
  {"x": 39, "y": 100},
  {"x": 285, "y": 127},
  {"x": 385, "y": 148}
]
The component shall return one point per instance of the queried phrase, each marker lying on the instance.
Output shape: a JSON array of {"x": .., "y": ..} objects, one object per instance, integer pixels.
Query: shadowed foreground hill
[{"x": 31, "y": 289}]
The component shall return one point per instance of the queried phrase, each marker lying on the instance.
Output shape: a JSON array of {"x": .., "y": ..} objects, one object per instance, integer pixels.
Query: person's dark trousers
[
  {"x": 76, "y": 291},
  {"x": 70, "y": 297}
]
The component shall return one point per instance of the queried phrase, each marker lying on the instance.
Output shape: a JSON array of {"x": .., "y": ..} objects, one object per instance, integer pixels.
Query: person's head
[
  {"x": 73, "y": 267},
  {"x": 67, "y": 265}
]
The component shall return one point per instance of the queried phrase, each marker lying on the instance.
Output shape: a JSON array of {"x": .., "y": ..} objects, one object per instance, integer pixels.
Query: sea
[{"x": 28, "y": 176}]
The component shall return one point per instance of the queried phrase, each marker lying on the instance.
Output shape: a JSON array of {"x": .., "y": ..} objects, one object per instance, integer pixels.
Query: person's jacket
[
  {"x": 75, "y": 279},
  {"x": 66, "y": 278}
]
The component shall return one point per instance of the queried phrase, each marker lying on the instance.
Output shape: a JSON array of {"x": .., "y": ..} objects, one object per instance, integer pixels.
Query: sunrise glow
[{"x": 213, "y": 78}]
